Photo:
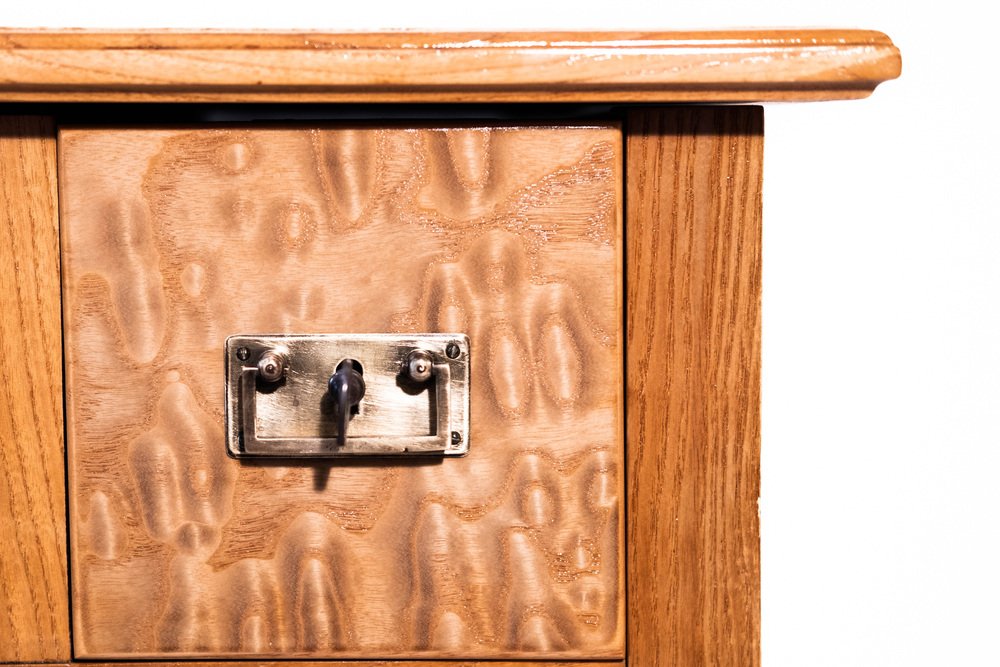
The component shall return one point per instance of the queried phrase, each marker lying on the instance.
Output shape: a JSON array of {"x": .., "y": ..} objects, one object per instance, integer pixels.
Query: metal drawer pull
[
  {"x": 388, "y": 395},
  {"x": 347, "y": 386}
]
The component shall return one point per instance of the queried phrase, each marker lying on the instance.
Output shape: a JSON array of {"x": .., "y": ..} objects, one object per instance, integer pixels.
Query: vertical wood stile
[
  {"x": 693, "y": 385},
  {"x": 34, "y": 607}
]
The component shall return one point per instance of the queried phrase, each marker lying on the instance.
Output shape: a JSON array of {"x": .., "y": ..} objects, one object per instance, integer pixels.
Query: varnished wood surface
[
  {"x": 346, "y": 663},
  {"x": 34, "y": 609},
  {"x": 73, "y": 65},
  {"x": 175, "y": 239},
  {"x": 693, "y": 385},
  {"x": 372, "y": 663}
]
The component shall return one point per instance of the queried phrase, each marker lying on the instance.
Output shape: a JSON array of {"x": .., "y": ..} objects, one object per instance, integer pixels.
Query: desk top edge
[{"x": 405, "y": 66}]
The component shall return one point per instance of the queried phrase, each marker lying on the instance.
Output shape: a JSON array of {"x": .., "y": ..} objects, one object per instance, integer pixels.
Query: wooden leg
[
  {"x": 693, "y": 385},
  {"x": 34, "y": 608}
]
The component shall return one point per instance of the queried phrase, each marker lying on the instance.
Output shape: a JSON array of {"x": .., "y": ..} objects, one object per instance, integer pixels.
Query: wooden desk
[{"x": 557, "y": 197}]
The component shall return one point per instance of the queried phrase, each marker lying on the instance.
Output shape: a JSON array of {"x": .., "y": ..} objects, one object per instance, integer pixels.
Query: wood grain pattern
[
  {"x": 347, "y": 663},
  {"x": 355, "y": 663},
  {"x": 693, "y": 385},
  {"x": 34, "y": 609},
  {"x": 175, "y": 239},
  {"x": 444, "y": 67}
]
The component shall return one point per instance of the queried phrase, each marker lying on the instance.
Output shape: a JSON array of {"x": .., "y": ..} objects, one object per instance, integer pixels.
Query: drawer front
[{"x": 174, "y": 239}]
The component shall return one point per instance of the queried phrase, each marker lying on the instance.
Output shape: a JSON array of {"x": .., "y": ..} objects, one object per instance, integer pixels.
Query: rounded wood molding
[{"x": 395, "y": 67}]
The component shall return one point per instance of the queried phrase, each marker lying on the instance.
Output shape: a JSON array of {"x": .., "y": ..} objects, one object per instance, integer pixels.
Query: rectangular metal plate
[{"x": 295, "y": 415}]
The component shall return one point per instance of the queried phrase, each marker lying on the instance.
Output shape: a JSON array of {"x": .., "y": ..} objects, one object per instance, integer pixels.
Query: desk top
[{"x": 403, "y": 67}]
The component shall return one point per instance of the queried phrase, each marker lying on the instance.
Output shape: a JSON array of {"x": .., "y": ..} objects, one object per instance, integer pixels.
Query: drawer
[{"x": 175, "y": 238}]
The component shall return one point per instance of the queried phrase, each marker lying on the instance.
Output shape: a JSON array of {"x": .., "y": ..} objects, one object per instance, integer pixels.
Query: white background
[{"x": 881, "y": 382}]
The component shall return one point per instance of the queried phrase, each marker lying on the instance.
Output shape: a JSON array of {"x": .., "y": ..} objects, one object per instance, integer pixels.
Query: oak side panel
[
  {"x": 606, "y": 67},
  {"x": 693, "y": 385},
  {"x": 174, "y": 239},
  {"x": 34, "y": 607}
]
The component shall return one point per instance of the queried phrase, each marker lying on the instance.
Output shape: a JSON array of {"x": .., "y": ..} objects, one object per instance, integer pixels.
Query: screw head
[
  {"x": 456, "y": 438},
  {"x": 242, "y": 353},
  {"x": 453, "y": 350}
]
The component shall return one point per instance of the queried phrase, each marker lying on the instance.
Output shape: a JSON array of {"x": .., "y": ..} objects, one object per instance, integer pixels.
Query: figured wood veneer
[
  {"x": 347, "y": 663},
  {"x": 350, "y": 663},
  {"x": 693, "y": 385},
  {"x": 34, "y": 607},
  {"x": 174, "y": 239},
  {"x": 603, "y": 67}
]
